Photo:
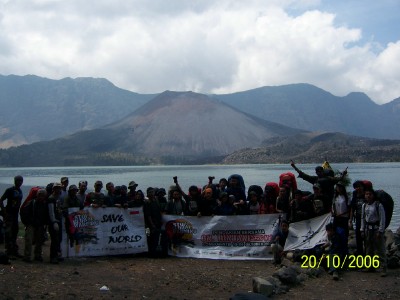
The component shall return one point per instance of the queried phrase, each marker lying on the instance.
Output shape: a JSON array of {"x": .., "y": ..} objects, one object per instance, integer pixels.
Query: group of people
[
  {"x": 45, "y": 207},
  {"x": 361, "y": 208}
]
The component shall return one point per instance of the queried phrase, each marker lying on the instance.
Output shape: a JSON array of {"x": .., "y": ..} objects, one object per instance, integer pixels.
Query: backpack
[
  {"x": 288, "y": 177},
  {"x": 26, "y": 209},
  {"x": 32, "y": 195},
  {"x": 388, "y": 204}
]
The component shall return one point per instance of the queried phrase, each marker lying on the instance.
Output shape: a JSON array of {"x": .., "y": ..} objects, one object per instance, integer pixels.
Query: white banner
[
  {"x": 221, "y": 237},
  {"x": 104, "y": 231},
  {"x": 307, "y": 234}
]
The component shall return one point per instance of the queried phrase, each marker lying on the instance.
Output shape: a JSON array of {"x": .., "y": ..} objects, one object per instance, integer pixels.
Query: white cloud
[{"x": 205, "y": 46}]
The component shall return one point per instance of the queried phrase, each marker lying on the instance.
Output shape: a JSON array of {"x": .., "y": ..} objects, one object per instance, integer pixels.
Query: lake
[{"x": 383, "y": 176}]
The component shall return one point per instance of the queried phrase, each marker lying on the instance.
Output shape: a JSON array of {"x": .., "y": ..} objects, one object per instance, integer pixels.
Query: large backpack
[
  {"x": 288, "y": 177},
  {"x": 388, "y": 205}
]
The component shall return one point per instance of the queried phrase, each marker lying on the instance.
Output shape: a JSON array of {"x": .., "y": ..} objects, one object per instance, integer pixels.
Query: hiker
[
  {"x": 96, "y": 199},
  {"x": 336, "y": 247},
  {"x": 138, "y": 201},
  {"x": 55, "y": 226},
  {"x": 279, "y": 240},
  {"x": 81, "y": 195},
  {"x": 193, "y": 199},
  {"x": 176, "y": 206},
  {"x": 64, "y": 183},
  {"x": 319, "y": 200},
  {"x": 268, "y": 200},
  {"x": 373, "y": 228},
  {"x": 109, "y": 198},
  {"x": 341, "y": 208},
  {"x": 35, "y": 219},
  {"x": 122, "y": 199},
  {"x": 253, "y": 206},
  {"x": 10, "y": 216},
  {"x": 301, "y": 208},
  {"x": 71, "y": 200},
  {"x": 356, "y": 205},
  {"x": 236, "y": 191},
  {"x": 325, "y": 178},
  {"x": 207, "y": 204},
  {"x": 224, "y": 206},
  {"x": 282, "y": 201},
  {"x": 132, "y": 190},
  {"x": 153, "y": 220}
]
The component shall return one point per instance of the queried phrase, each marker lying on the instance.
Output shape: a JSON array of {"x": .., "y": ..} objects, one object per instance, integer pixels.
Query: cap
[
  {"x": 64, "y": 179},
  {"x": 72, "y": 187},
  {"x": 132, "y": 184}
]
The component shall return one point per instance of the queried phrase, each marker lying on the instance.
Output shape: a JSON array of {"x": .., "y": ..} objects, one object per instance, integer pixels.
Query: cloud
[{"x": 205, "y": 46}]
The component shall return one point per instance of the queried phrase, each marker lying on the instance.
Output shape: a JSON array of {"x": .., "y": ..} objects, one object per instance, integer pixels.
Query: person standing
[
  {"x": 35, "y": 217},
  {"x": 55, "y": 218},
  {"x": 81, "y": 195},
  {"x": 10, "y": 214},
  {"x": 373, "y": 228},
  {"x": 357, "y": 202}
]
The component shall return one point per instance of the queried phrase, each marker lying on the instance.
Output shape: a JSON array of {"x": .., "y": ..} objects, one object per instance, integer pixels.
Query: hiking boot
[{"x": 335, "y": 275}]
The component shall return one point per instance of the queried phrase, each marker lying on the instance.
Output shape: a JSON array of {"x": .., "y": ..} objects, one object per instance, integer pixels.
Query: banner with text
[
  {"x": 104, "y": 231},
  {"x": 307, "y": 234},
  {"x": 221, "y": 237}
]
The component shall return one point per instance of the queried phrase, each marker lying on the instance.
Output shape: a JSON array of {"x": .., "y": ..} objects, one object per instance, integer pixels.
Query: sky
[{"x": 209, "y": 46}]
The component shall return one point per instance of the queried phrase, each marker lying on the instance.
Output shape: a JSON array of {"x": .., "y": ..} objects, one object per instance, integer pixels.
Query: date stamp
[{"x": 333, "y": 260}]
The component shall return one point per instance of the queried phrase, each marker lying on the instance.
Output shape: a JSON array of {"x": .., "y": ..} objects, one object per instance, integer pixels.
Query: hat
[
  {"x": 72, "y": 187},
  {"x": 132, "y": 184},
  {"x": 64, "y": 179},
  {"x": 57, "y": 185},
  {"x": 98, "y": 182}
]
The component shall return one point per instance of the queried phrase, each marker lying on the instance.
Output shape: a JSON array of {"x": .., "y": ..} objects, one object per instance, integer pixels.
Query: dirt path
[{"x": 139, "y": 277}]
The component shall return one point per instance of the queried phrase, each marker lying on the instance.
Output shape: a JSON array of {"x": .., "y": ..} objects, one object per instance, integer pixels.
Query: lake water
[{"x": 384, "y": 176}]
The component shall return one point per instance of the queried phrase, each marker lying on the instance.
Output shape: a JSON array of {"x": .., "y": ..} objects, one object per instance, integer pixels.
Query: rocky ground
[{"x": 139, "y": 277}]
